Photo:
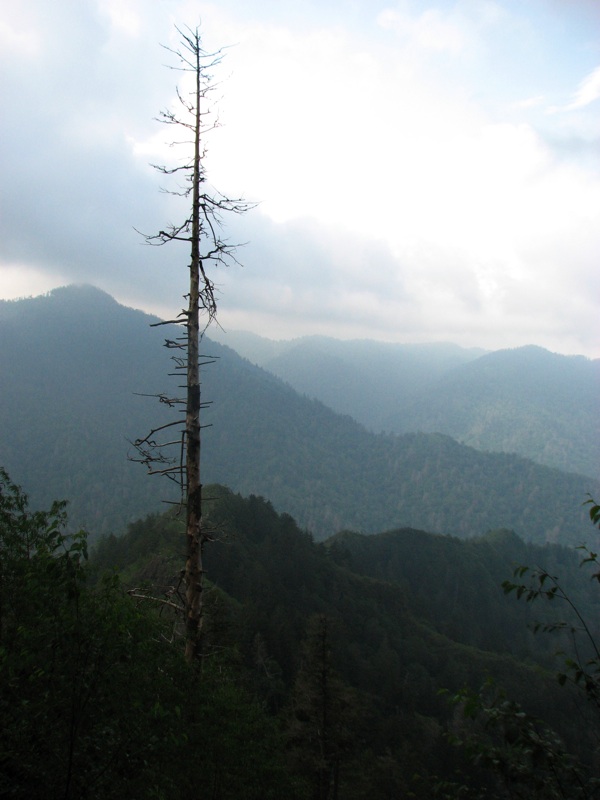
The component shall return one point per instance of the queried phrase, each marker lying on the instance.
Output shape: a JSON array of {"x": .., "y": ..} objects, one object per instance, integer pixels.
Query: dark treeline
[
  {"x": 347, "y": 669},
  {"x": 371, "y": 632}
]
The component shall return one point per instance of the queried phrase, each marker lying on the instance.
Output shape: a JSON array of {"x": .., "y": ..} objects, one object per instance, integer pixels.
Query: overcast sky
[{"x": 426, "y": 171}]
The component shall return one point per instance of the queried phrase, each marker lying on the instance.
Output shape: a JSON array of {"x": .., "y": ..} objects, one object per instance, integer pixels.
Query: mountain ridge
[
  {"x": 70, "y": 401},
  {"x": 526, "y": 400}
]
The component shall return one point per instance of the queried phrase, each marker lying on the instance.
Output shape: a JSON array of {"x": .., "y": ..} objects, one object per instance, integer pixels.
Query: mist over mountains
[
  {"x": 525, "y": 400},
  {"x": 74, "y": 363}
]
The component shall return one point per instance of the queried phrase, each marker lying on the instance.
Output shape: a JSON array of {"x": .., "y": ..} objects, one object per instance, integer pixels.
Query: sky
[{"x": 423, "y": 170}]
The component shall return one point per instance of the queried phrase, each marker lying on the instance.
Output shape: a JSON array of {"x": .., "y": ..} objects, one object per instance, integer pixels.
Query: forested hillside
[
  {"x": 368, "y": 380},
  {"x": 528, "y": 401},
  {"x": 315, "y": 672},
  {"x": 72, "y": 362},
  {"x": 406, "y": 614},
  {"x": 454, "y": 583},
  {"x": 338, "y": 664}
]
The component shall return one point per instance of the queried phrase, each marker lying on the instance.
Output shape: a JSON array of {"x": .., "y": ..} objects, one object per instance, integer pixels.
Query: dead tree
[{"x": 202, "y": 231}]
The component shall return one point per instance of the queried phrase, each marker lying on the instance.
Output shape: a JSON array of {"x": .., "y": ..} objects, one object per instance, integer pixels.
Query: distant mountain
[
  {"x": 365, "y": 379},
  {"x": 72, "y": 362},
  {"x": 528, "y": 401}
]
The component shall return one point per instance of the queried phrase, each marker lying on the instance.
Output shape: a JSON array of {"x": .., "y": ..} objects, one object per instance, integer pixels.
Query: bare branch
[
  {"x": 171, "y": 170},
  {"x": 201, "y": 229},
  {"x": 138, "y": 595},
  {"x": 168, "y": 322},
  {"x": 155, "y": 430}
]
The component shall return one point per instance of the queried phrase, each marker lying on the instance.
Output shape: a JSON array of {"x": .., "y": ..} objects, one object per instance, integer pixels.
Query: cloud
[
  {"x": 430, "y": 30},
  {"x": 125, "y": 16},
  {"x": 588, "y": 91},
  {"x": 530, "y": 102},
  {"x": 404, "y": 195},
  {"x": 72, "y": 189},
  {"x": 17, "y": 40},
  {"x": 586, "y": 94}
]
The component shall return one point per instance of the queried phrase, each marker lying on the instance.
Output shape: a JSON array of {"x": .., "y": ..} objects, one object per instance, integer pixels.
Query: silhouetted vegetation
[{"x": 386, "y": 621}]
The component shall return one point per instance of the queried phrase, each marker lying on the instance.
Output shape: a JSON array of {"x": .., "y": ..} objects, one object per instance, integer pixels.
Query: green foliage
[
  {"x": 323, "y": 720},
  {"x": 71, "y": 661},
  {"x": 582, "y": 668},
  {"x": 94, "y": 701},
  {"x": 594, "y": 511},
  {"x": 320, "y": 681},
  {"x": 445, "y": 575},
  {"x": 523, "y": 752},
  {"x": 515, "y": 755},
  {"x": 425, "y": 613}
]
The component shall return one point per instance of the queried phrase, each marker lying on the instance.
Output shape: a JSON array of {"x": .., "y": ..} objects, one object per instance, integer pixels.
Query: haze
[{"x": 425, "y": 171}]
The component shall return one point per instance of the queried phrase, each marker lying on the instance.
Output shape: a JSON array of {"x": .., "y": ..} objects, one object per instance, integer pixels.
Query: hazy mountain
[
  {"x": 71, "y": 363},
  {"x": 527, "y": 401},
  {"x": 541, "y": 405},
  {"x": 368, "y": 380}
]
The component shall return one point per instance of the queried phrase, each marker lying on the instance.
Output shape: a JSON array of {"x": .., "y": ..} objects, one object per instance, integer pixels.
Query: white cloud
[
  {"x": 17, "y": 39},
  {"x": 530, "y": 102},
  {"x": 400, "y": 198},
  {"x": 430, "y": 30},
  {"x": 21, "y": 280},
  {"x": 588, "y": 91},
  {"x": 124, "y": 15}
]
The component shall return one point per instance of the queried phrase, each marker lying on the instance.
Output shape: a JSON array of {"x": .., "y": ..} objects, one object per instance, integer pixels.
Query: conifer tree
[{"x": 324, "y": 711}]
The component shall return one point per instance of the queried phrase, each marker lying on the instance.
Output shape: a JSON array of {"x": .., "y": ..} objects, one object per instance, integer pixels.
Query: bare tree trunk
[
  {"x": 201, "y": 229},
  {"x": 193, "y": 565}
]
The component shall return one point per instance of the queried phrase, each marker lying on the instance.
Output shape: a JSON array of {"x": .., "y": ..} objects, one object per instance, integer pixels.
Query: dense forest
[
  {"x": 241, "y": 569},
  {"x": 527, "y": 400},
  {"x": 385, "y": 616},
  {"x": 75, "y": 366},
  {"x": 376, "y": 666}
]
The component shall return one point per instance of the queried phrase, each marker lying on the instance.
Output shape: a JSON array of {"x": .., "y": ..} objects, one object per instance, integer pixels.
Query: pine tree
[{"x": 324, "y": 711}]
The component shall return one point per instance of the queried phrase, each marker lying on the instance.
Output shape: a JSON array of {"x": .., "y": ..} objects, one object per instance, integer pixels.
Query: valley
[
  {"x": 353, "y": 574},
  {"x": 77, "y": 368}
]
